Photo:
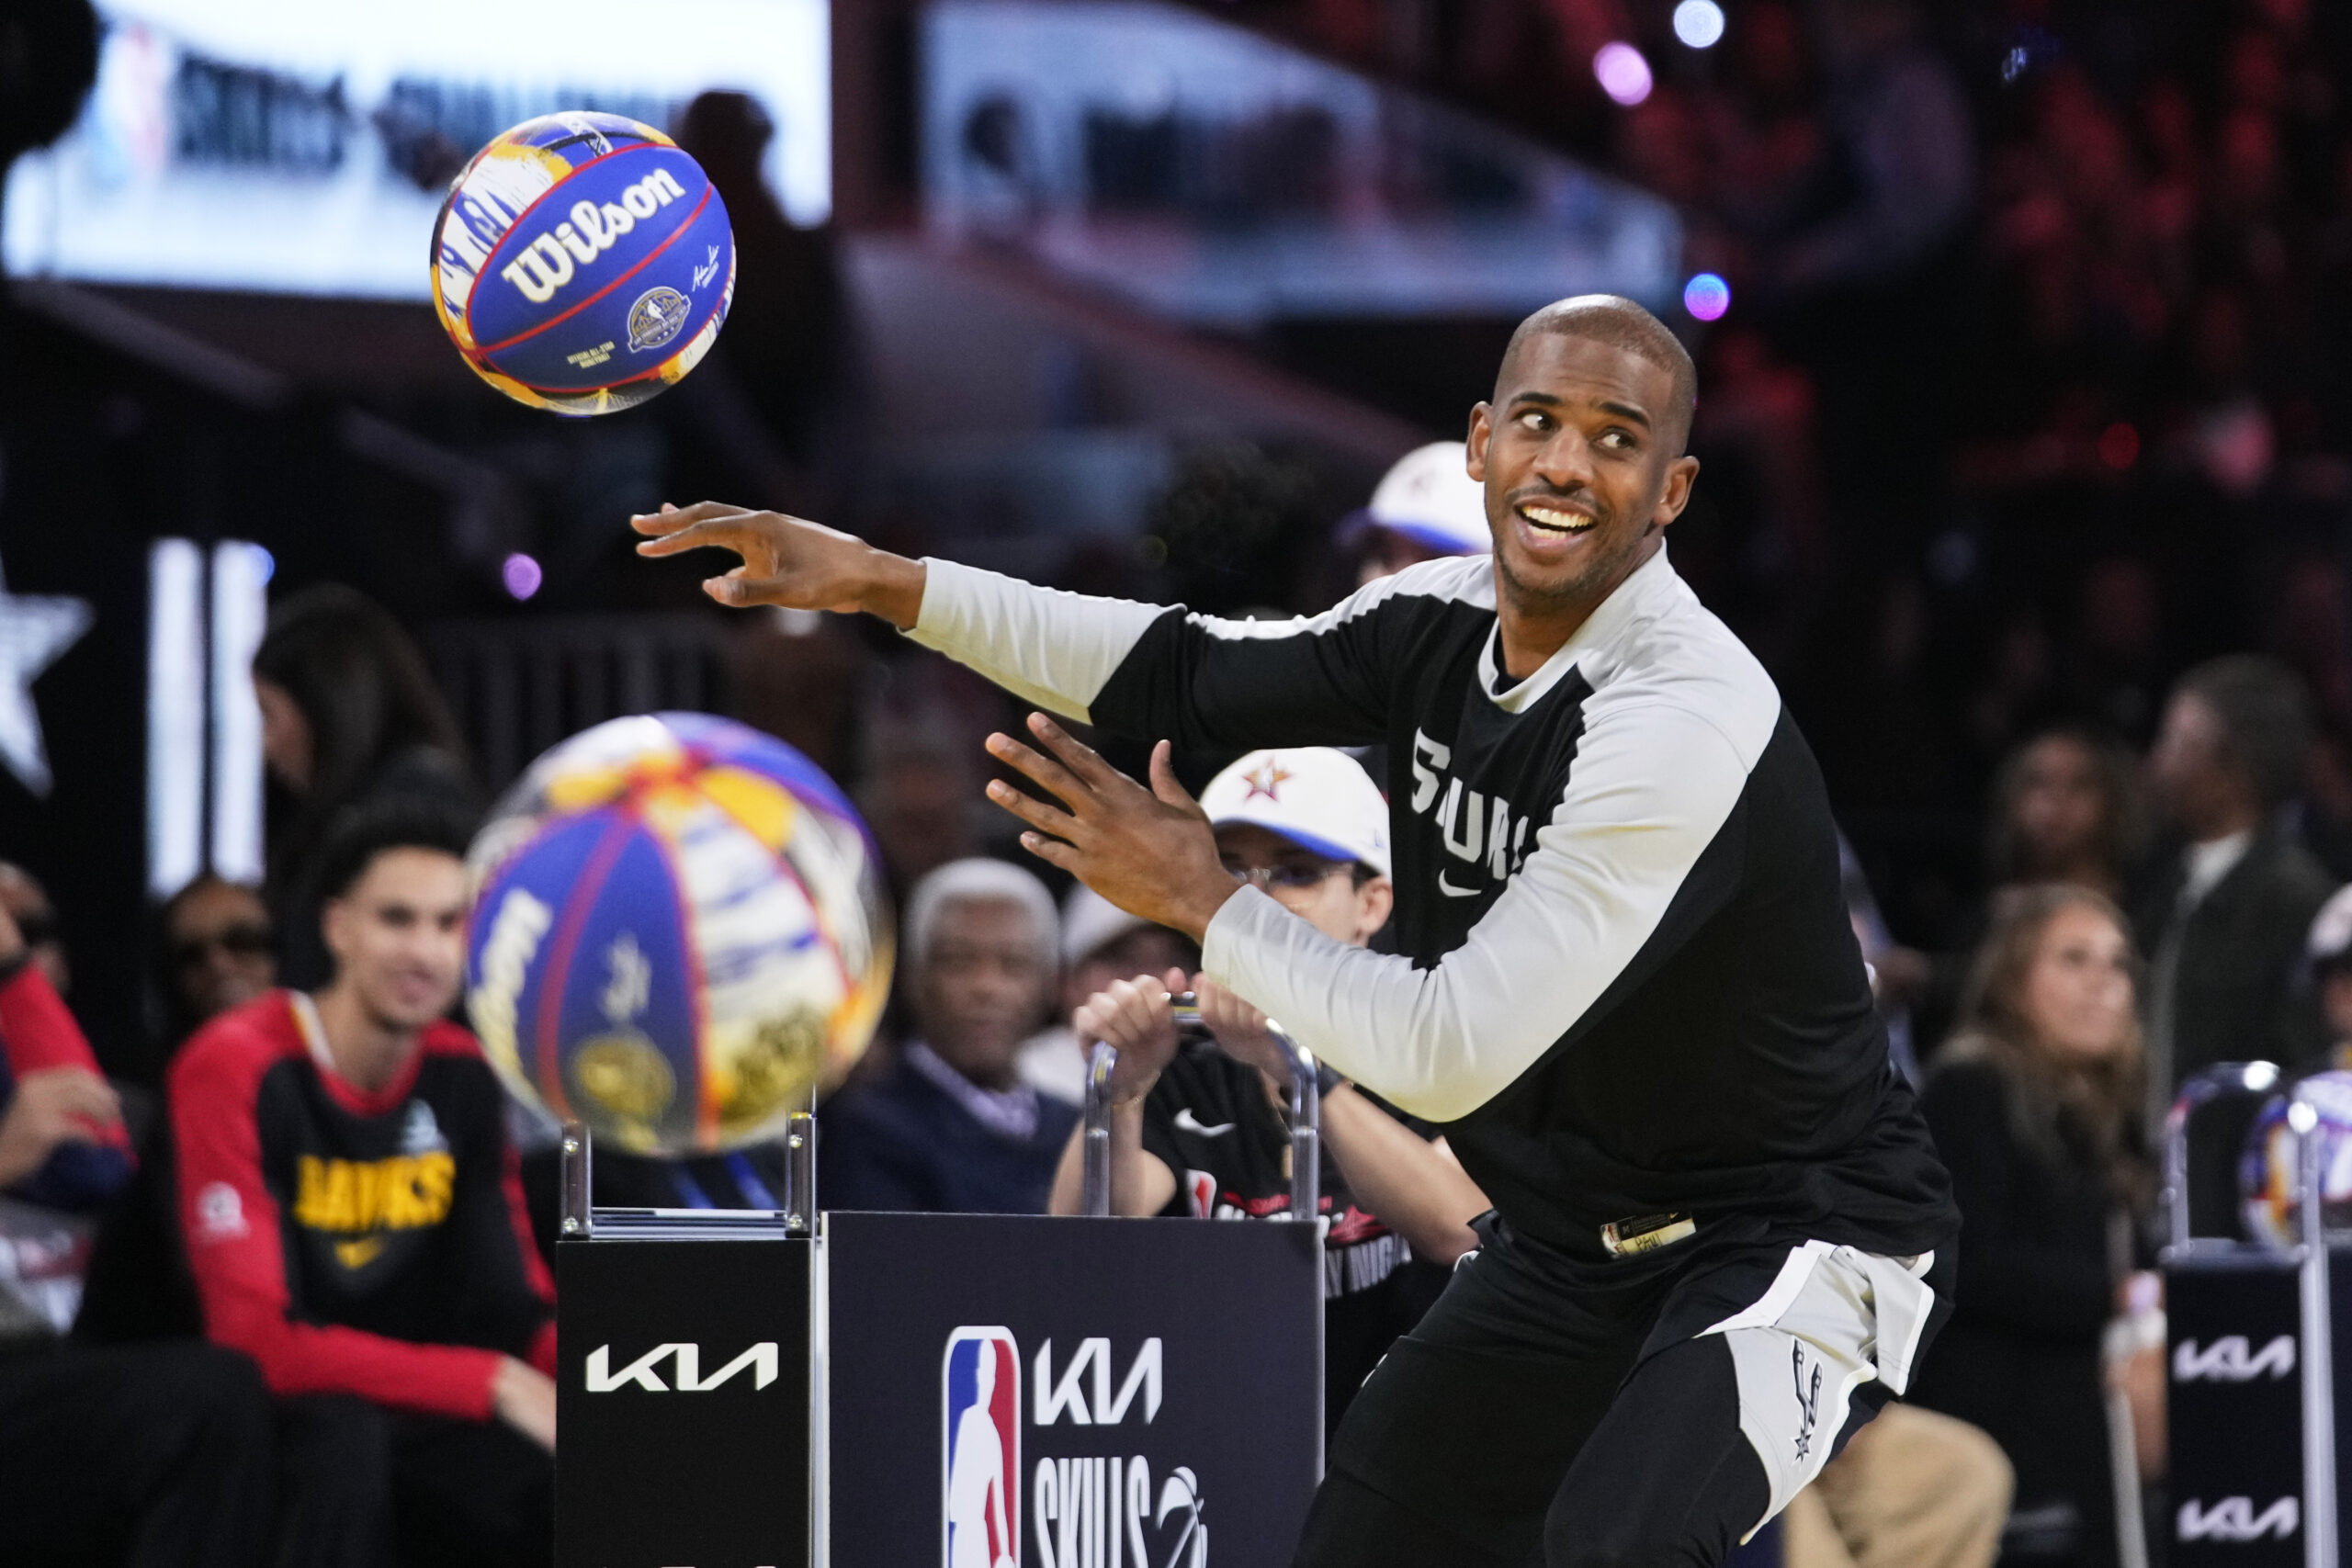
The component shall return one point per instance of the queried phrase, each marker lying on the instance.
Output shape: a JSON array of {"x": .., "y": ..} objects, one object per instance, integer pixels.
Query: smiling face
[{"x": 1581, "y": 455}]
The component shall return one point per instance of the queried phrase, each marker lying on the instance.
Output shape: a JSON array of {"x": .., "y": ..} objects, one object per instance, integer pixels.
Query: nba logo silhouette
[{"x": 980, "y": 1484}]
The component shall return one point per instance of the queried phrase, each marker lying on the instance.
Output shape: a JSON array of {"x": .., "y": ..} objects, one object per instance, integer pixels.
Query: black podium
[
  {"x": 971, "y": 1391},
  {"x": 2254, "y": 1470}
]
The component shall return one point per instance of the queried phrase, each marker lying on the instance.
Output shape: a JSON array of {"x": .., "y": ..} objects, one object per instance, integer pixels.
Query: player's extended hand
[
  {"x": 1240, "y": 1029},
  {"x": 1133, "y": 1017},
  {"x": 788, "y": 561},
  {"x": 1148, "y": 850}
]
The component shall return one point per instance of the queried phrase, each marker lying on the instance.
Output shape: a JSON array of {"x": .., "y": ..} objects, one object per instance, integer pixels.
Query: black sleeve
[{"x": 1321, "y": 683}]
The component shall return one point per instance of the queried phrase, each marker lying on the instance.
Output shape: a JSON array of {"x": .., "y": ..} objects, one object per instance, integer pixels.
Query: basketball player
[{"x": 1624, "y": 979}]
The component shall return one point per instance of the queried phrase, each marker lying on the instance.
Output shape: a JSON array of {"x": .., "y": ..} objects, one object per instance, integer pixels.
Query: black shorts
[{"x": 1646, "y": 1410}]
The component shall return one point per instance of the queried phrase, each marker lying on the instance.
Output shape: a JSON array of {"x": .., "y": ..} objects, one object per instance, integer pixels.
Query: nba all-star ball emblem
[{"x": 658, "y": 315}]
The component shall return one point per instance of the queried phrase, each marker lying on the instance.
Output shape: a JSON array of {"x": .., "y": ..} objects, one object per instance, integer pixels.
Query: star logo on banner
[
  {"x": 35, "y": 628},
  {"x": 1264, "y": 780}
]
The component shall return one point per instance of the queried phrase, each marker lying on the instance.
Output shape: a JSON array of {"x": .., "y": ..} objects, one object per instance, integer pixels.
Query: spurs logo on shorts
[{"x": 1808, "y": 1399}]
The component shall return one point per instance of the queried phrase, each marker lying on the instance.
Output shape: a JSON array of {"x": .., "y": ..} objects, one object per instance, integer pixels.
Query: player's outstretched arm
[
  {"x": 1142, "y": 670},
  {"x": 1622, "y": 846},
  {"x": 789, "y": 561}
]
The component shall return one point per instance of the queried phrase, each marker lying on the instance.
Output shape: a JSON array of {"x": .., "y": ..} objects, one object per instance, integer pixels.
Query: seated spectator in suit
[
  {"x": 2035, "y": 1107},
  {"x": 349, "y": 1201},
  {"x": 950, "y": 1127},
  {"x": 2224, "y": 927},
  {"x": 153, "y": 1455}
]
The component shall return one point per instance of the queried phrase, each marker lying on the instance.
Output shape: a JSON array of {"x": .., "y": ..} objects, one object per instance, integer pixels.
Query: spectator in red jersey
[
  {"x": 354, "y": 1221},
  {"x": 152, "y": 1455}
]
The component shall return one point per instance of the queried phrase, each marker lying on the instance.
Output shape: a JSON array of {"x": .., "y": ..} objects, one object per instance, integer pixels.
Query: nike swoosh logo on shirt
[
  {"x": 1451, "y": 891},
  {"x": 1187, "y": 1122}
]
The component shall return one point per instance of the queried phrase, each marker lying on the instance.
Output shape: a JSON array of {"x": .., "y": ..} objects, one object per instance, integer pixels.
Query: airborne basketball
[
  {"x": 583, "y": 262},
  {"x": 682, "y": 927}
]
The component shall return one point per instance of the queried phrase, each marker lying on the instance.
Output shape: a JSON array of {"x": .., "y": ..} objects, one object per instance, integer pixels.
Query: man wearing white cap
[
  {"x": 1426, "y": 506},
  {"x": 1200, "y": 1131}
]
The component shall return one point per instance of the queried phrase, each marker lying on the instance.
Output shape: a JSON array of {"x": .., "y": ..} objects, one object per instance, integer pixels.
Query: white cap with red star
[
  {"x": 1320, "y": 799},
  {"x": 1429, "y": 497}
]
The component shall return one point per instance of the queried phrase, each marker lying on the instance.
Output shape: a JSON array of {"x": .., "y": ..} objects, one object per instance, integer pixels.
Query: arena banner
[
  {"x": 1059, "y": 1392},
  {"x": 2235, "y": 1409},
  {"x": 683, "y": 1405}
]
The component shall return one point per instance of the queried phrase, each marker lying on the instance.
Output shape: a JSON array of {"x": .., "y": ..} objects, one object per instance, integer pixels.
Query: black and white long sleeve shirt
[{"x": 1625, "y": 974}]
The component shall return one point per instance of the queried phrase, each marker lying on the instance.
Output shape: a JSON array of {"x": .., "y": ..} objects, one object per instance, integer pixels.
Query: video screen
[{"x": 272, "y": 146}]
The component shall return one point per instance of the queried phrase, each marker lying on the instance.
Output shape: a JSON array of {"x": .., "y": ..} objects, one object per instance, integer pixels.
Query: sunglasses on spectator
[
  {"x": 238, "y": 942},
  {"x": 1294, "y": 875},
  {"x": 38, "y": 928}
]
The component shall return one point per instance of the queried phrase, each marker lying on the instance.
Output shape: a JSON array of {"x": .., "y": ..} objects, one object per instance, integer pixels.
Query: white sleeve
[
  {"x": 1044, "y": 645},
  {"x": 1647, "y": 793}
]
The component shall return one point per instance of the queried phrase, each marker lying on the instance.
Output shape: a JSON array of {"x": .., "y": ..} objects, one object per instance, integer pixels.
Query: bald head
[{"x": 1621, "y": 324}]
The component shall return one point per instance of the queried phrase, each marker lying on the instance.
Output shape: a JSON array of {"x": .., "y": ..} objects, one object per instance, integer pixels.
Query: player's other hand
[
  {"x": 788, "y": 561},
  {"x": 1240, "y": 1029},
  {"x": 1135, "y": 1018},
  {"x": 1150, "y": 851}
]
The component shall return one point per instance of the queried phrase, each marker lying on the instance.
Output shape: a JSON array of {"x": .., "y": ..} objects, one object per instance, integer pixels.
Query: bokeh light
[
  {"x": 2119, "y": 446},
  {"x": 1623, "y": 73},
  {"x": 1706, "y": 297},
  {"x": 1698, "y": 23},
  {"x": 522, "y": 575}
]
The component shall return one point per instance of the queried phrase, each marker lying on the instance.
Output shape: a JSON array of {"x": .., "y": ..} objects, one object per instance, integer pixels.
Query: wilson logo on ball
[{"x": 546, "y": 266}]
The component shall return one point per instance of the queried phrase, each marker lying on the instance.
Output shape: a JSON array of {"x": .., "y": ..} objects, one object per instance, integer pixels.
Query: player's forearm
[{"x": 1415, "y": 1187}]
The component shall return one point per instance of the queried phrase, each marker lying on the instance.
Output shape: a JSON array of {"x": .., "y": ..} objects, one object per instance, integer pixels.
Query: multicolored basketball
[
  {"x": 679, "y": 926},
  {"x": 583, "y": 262},
  {"x": 2270, "y": 1171}
]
